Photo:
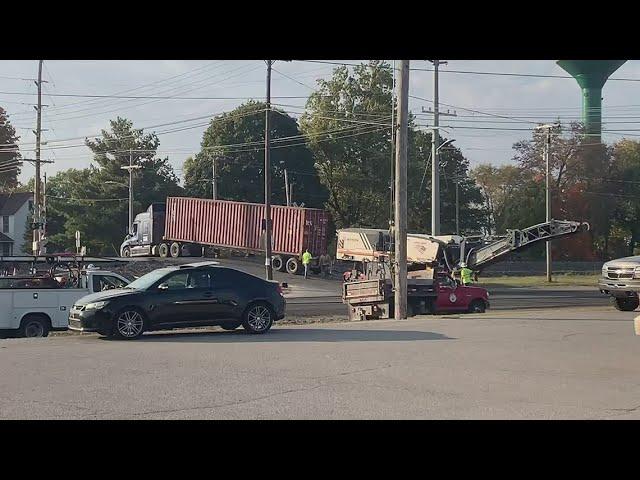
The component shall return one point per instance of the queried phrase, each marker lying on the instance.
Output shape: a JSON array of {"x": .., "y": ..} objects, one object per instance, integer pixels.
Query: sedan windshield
[{"x": 149, "y": 279}]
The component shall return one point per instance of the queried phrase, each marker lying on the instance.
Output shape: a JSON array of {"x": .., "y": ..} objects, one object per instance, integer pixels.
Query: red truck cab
[{"x": 455, "y": 297}]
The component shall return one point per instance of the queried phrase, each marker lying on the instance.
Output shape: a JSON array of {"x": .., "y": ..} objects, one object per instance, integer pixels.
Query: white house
[{"x": 15, "y": 209}]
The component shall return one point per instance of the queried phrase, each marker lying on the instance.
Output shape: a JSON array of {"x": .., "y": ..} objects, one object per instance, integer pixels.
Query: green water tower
[{"x": 591, "y": 75}]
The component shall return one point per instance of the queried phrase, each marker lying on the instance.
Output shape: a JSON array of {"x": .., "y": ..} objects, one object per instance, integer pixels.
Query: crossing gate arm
[{"x": 517, "y": 240}]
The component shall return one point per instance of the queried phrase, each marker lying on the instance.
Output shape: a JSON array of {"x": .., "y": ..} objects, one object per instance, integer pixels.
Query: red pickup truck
[
  {"x": 454, "y": 297},
  {"x": 373, "y": 299}
]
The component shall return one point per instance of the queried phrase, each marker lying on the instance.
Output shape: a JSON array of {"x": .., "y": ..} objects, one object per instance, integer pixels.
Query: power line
[
  {"x": 470, "y": 72},
  {"x": 142, "y": 97}
]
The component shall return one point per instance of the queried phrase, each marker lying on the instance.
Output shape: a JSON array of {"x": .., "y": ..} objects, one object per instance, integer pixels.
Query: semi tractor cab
[{"x": 147, "y": 235}]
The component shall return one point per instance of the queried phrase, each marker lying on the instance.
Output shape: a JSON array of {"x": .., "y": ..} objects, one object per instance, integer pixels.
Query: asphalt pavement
[{"x": 573, "y": 363}]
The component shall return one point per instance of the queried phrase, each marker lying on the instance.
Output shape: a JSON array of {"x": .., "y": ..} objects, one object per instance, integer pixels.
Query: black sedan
[{"x": 192, "y": 295}]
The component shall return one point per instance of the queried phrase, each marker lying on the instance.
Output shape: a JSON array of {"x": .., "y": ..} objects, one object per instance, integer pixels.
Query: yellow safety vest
[{"x": 466, "y": 273}]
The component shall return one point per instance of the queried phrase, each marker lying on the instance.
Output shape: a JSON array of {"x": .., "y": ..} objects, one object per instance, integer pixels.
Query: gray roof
[{"x": 10, "y": 203}]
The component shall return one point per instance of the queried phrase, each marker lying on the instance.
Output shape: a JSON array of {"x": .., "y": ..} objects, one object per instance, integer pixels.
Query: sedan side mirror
[{"x": 163, "y": 286}]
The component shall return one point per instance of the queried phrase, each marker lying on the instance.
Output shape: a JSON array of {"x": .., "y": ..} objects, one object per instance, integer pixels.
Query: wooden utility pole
[
  {"x": 37, "y": 198},
  {"x": 214, "y": 179},
  {"x": 286, "y": 187},
  {"x": 548, "y": 128},
  {"x": 131, "y": 167},
  {"x": 267, "y": 179},
  {"x": 400, "y": 223},
  {"x": 457, "y": 210}
]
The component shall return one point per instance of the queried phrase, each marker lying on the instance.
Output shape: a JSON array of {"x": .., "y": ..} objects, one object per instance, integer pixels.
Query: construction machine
[{"x": 433, "y": 262}]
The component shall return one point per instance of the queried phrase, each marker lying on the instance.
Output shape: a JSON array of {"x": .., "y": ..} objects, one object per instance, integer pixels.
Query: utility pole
[
  {"x": 393, "y": 152},
  {"x": 400, "y": 224},
  {"x": 131, "y": 167},
  {"x": 37, "y": 197},
  {"x": 286, "y": 187},
  {"x": 548, "y": 128},
  {"x": 435, "y": 140},
  {"x": 267, "y": 178},
  {"x": 214, "y": 180},
  {"x": 44, "y": 210},
  {"x": 457, "y": 210}
]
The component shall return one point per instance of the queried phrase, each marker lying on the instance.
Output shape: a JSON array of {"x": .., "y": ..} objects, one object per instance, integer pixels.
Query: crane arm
[{"x": 492, "y": 251}]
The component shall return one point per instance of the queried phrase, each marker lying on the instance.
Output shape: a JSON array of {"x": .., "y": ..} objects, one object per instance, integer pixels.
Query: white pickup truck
[{"x": 31, "y": 306}]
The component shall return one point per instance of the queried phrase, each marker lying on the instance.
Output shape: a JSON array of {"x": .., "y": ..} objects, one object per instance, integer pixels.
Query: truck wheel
[
  {"x": 628, "y": 304},
  {"x": 126, "y": 252},
  {"x": 163, "y": 250},
  {"x": 293, "y": 266},
  {"x": 34, "y": 326},
  {"x": 175, "y": 250},
  {"x": 477, "y": 306},
  {"x": 277, "y": 263}
]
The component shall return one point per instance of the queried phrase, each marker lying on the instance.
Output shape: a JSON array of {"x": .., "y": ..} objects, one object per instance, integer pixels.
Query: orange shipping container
[{"x": 239, "y": 225}]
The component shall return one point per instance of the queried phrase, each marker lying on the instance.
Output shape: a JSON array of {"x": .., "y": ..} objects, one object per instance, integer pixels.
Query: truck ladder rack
[{"x": 482, "y": 256}]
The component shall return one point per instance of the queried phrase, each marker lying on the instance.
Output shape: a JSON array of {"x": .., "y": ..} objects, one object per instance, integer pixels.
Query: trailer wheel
[
  {"x": 175, "y": 249},
  {"x": 277, "y": 263},
  {"x": 163, "y": 250},
  {"x": 126, "y": 252},
  {"x": 293, "y": 266},
  {"x": 625, "y": 304}
]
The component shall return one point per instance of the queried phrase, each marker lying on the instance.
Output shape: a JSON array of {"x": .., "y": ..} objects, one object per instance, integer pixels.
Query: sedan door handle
[{"x": 208, "y": 294}]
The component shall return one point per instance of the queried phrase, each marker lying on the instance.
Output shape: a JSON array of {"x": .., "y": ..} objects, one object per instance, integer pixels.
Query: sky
[{"x": 482, "y": 137}]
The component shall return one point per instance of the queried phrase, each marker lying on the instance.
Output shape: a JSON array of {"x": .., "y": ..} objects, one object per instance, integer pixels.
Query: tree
[
  {"x": 94, "y": 200},
  {"x": 579, "y": 171},
  {"x": 236, "y": 140},
  {"x": 9, "y": 154},
  {"x": 625, "y": 189},
  {"x": 348, "y": 126},
  {"x": 454, "y": 168},
  {"x": 498, "y": 185},
  {"x": 153, "y": 182}
]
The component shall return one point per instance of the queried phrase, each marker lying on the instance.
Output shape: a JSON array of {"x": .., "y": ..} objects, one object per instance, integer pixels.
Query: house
[{"x": 15, "y": 209}]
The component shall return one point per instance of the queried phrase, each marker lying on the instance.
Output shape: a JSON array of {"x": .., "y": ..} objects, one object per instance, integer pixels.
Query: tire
[
  {"x": 128, "y": 324},
  {"x": 163, "y": 250},
  {"x": 34, "y": 326},
  {"x": 258, "y": 318},
  {"x": 175, "y": 250},
  {"x": 126, "y": 252},
  {"x": 293, "y": 266},
  {"x": 477, "y": 306},
  {"x": 230, "y": 325},
  {"x": 628, "y": 304},
  {"x": 277, "y": 263}
]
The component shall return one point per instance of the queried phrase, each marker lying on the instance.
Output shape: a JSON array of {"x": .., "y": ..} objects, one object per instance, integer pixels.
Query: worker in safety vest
[
  {"x": 306, "y": 259},
  {"x": 466, "y": 274}
]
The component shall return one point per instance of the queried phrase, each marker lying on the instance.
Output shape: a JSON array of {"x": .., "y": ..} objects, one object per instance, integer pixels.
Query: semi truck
[{"x": 186, "y": 226}]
